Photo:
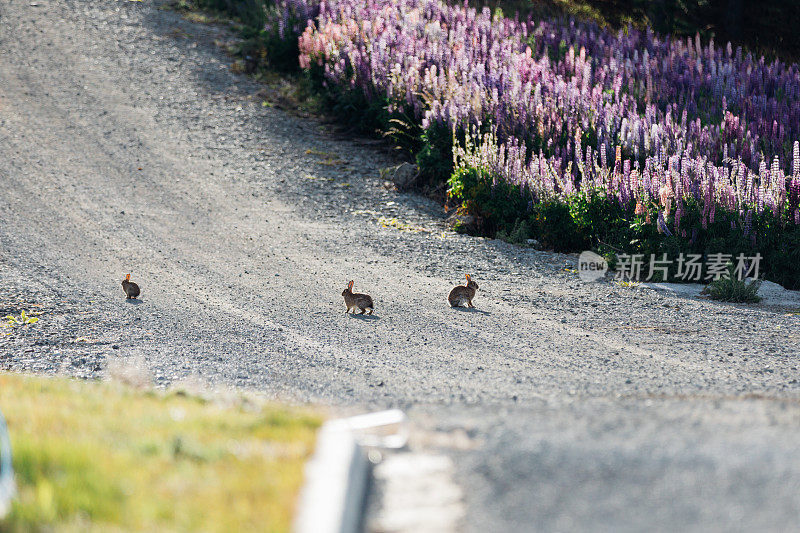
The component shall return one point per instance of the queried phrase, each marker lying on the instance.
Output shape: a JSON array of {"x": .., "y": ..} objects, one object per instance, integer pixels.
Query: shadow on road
[
  {"x": 364, "y": 317},
  {"x": 471, "y": 310}
]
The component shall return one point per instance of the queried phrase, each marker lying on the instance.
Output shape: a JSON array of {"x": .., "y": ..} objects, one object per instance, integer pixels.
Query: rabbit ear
[
  {"x": 350, "y": 285},
  {"x": 469, "y": 277},
  {"x": 127, "y": 277}
]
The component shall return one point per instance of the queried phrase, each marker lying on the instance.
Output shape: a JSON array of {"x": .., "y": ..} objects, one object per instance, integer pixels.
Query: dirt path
[{"x": 127, "y": 145}]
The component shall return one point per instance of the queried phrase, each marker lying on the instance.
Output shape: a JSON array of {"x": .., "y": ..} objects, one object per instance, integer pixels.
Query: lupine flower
[{"x": 685, "y": 120}]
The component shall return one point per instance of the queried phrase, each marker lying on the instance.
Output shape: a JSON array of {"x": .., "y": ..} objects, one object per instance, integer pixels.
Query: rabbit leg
[
  {"x": 470, "y": 304},
  {"x": 370, "y": 311},
  {"x": 363, "y": 309}
]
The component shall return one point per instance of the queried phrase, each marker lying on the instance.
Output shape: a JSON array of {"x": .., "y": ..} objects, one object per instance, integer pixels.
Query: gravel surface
[{"x": 128, "y": 145}]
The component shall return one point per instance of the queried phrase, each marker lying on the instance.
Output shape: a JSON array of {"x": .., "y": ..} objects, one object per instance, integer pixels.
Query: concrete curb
[{"x": 332, "y": 500}]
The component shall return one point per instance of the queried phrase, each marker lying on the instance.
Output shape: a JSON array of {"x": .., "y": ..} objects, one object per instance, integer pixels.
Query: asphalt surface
[{"x": 127, "y": 145}]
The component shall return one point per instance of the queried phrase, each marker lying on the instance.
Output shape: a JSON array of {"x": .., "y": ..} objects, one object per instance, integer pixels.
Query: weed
[
  {"x": 731, "y": 289},
  {"x": 397, "y": 224},
  {"x": 23, "y": 319}
]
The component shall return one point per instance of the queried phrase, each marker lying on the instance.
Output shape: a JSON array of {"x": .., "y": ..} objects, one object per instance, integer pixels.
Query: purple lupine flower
[{"x": 458, "y": 67}]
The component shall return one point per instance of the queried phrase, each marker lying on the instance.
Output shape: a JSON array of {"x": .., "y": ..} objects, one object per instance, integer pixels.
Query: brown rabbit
[
  {"x": 131, "y": 289},
  {"x": 354, "y": 300},
  {"x": 463, "y": 294}
]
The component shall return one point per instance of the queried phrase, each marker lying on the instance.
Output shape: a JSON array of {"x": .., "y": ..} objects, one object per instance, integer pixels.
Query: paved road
[{"x": 127, "y": 145}]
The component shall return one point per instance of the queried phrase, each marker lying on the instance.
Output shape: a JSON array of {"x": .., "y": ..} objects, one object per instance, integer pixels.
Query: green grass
[
  {"x": 95, "y": 456},
  {"x": 734, "y": 290}
]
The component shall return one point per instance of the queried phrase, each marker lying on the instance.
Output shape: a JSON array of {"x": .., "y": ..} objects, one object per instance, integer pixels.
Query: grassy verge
[{"x": 104, "y": 456}]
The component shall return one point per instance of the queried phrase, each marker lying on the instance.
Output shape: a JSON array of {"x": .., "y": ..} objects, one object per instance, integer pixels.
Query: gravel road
[{"x": 128, "y": 145}]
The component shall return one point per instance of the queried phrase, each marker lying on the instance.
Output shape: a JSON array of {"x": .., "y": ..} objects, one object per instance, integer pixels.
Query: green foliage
[
  {"x": 266, "y": 49},
  {"x": 519, "y": 234},
  {"x": 593, "y": 220},
  {"x": 23, "y": 319},
  {"x": 555, "y": 228},
  {"x": 602, "y": 219},
  {"x": 434, "y": 155},
  {"x": 495, "y": 205},
  {"x": 251, "y": 13},
  {"x": 731, "y": 289}
]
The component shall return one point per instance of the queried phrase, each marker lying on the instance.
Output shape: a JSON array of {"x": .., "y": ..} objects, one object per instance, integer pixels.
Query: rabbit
[
  {"x": 354, "y": 300},
  {"x": 131, "y": 289},
  {"x": 463, "y": 294}
]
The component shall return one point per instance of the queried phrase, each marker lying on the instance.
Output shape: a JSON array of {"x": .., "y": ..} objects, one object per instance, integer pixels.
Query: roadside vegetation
[
  {"x": 769, "y": 27},
  {"x": 105, "y": 457},
  {"x": 734, "y": 290},
  {"x": 566, "y": 131}
]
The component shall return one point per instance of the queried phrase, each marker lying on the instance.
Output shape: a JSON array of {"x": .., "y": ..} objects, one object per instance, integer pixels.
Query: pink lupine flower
[{"x": 453, "y": 66}]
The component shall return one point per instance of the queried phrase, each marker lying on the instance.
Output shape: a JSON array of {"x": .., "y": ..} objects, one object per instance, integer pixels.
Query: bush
[
  {"x": 519, "y": 234},
  {"x": 588, "y": 220},
  {"x": 734, "y": 290}
]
